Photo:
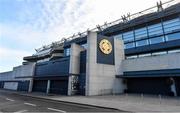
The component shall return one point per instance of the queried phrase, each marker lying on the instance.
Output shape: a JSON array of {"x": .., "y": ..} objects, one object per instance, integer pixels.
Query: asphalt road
[{"x": 11, "y": 102}]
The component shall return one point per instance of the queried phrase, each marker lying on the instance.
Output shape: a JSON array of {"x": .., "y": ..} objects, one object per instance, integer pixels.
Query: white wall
[
  {"x": 167, "y": 61},
  {"x": 11, "y": 85}
]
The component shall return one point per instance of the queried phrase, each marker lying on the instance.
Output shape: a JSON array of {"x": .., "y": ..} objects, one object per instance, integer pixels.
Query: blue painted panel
[
  {"x": 59, "y": 87},
  {"x": 23, "y": 85},
  {"x": 40, "y": 85},
  {"x": 83, "y": 62},
  {"x": 177, "y": 82},
  {"x": 58, "y": 67},
  {"x": 1, "y": 84},
  {"x": 148, "y": 86}
]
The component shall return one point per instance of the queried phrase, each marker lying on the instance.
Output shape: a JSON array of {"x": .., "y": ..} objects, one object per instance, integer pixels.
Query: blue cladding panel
[
  {"x": 83, "y": 62},
  {"x": 148, "y": 86},
  {"x": 23, "y": 85},
  {"x": 59, "y": 87},
  {"x": 59, "y": 67},
  {"x": 40, "y": 85},
  {"x": 1, "y": 84},
  {"x": 177, "y": 80}
]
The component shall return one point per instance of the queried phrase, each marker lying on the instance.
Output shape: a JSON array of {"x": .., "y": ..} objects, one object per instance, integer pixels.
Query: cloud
[{"x": 41, "y": 22}]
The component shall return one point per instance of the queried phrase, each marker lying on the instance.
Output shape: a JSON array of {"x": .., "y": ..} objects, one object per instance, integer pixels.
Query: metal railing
[{"x": 124, "y": 19}]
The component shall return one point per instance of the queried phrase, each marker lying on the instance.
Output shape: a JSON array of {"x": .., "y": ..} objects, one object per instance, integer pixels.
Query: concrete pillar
[
  {"x": 69, "y": 86},
  {"x": 101, "y": 77},
  {"x": 48, "y": 86},
  {"x": 74, "y": 67},
  {"x": 30, "y": 85}
]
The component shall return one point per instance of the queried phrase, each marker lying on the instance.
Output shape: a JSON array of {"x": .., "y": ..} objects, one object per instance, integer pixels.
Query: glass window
[
  {"x": 142, "y": 43},
  {"x": 67, "y": 52},
  {"x": 141, "y": 33},
  {"x": 131, "y": 57},
  {"x": 129, "y": 45},
  {"x": 84, "y": 45},
  {"x": 156, "y": 40},
  {"x": 144, "y": 55},
  {"x": 155, "y": 29},
  {"x": 159, "y": 53},
  {"x": 174, "y": 51},
  {"x": 128, "y": 36},
  {"x": 174, "y": 36},
  {"x": 119, "y": 36},
  {"x": 171, "y": 25}
]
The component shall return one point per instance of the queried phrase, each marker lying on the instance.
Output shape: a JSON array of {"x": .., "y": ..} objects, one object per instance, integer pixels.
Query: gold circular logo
[{"x": 105, "y": 46}]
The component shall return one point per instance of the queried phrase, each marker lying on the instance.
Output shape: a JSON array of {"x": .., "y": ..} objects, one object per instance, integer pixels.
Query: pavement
[
  {"x": 125, "y": 102},
  {"x": 13, "y": 102}
]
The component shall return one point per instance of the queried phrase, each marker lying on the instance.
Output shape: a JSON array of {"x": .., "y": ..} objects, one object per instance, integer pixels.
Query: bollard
[
  {"x": 126, "y": 97},
  {"x": 160, "y": 99},
  {"x": 142, "y": 97}
]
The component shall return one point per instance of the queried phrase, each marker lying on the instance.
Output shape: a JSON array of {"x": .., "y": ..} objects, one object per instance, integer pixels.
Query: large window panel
[
  {"x": 156, "y": 40},
  {"x": 141, "y": 33},
  {"x": 155, "y": 29},
  {"x": 129, "y": 45},
  {"x": 171, "y": 25},
  {"x": 142, "y": 43},
  {"x": 84, "y": 45},
  {"x": 67, "y": 52},
  {"x": 128, "y": 36},
  {"x": 174, "y": 36}
]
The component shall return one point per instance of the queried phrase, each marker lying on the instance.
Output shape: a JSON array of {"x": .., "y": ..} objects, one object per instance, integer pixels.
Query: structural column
[
  {"x": 48, "y": 86},
  {"x": 74, "y": 66},
  {"x": 30, "y": 85}
]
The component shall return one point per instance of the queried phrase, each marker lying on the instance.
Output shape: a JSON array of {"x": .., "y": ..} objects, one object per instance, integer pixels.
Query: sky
[{"x": 29, "y": 24}]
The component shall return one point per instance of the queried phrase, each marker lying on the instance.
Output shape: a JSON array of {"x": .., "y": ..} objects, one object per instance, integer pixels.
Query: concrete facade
[
  {"x": 100, "y": 78},
  {"x": 20, "y": 73},
  {"x": 167, "y": 61}
]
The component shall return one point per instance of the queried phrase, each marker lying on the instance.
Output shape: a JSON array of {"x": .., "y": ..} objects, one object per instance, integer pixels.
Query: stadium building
[{"x": 139, "y": 53}]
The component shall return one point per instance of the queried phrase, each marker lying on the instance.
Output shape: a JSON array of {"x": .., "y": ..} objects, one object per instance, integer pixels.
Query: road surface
[{"x": 11, "y": 102}]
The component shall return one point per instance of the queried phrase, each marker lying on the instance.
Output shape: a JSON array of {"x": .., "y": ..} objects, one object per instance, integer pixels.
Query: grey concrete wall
[
  {"x": 6, "y": 76},
  {"x": 74, "y": 67},
  {"x": 100, "y": 78},
  {"x": 24, "y": 70},
  {"x": 19, "y": 73},
  {"x": 167, "y": 61}
]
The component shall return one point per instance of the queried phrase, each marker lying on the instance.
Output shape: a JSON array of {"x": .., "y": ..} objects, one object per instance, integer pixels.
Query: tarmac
[{"x": 125, "y": 102}]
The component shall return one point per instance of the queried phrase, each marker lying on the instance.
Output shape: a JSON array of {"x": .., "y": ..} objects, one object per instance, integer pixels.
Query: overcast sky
[{"x": 29, "y": 24}]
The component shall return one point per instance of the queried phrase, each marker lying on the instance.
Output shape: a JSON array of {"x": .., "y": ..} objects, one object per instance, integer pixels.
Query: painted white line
[
  {"x": 58, "y": 110},
  {"x": 9, "y": 99},
  {"x": 21, "y": 111},
  {"x": 30, "y": 104}
]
